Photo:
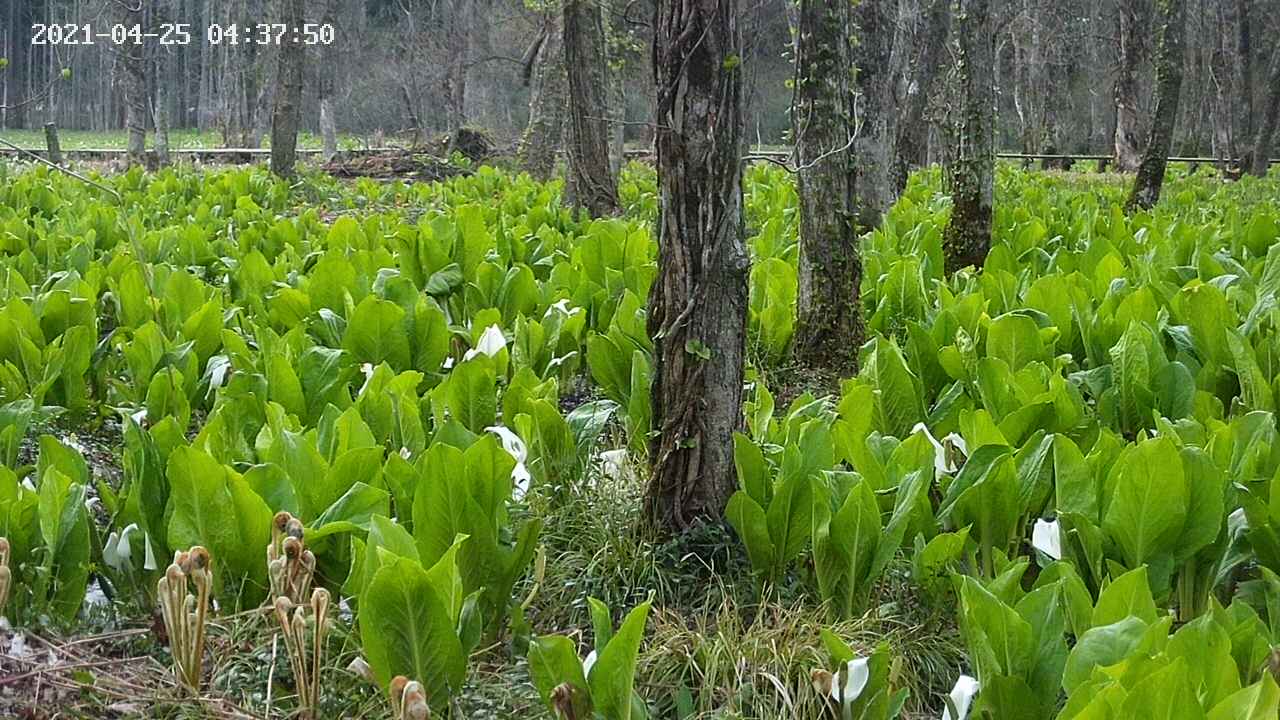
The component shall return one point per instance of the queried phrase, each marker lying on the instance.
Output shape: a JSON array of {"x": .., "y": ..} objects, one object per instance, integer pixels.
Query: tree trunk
[
  {"x": 327, "y": 79},
  {"x": 911, "y": 131},
  {"x": 872, "y": 111},
  {"x": 1263, "y": 141},
  {"x": 135, "y": 88},
  {"x": 590, "y": 183},
  {"x": 548, "y": 96},
  {"x": 1131, "y": 23},
  {"x": 972, "y": 168},
  {"x": 829, "y": 313},
  {"x": 1244, "y": 58},
  {"x": 1171, "y": 14},
  {"x": 288, "y": 107},
  {"x": 455, "y": 78},
  {"x": 163, "y": 63},
  {"x": 698, "y": 302}
]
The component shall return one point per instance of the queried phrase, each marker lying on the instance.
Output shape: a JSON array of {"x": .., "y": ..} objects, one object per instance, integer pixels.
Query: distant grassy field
[{"x": 184, "y": 138}]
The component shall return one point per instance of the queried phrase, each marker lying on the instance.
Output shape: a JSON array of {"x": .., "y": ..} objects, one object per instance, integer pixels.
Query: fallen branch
[{"x": 59, "y": 168}]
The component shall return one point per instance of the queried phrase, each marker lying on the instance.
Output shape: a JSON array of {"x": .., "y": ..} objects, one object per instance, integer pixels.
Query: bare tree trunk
[
  {"x": 328, "y": 70},
  {"x": 1264, "y": 140},
  {"x": 698, "y": 302},
  {"x": 829, "y": 327},
  {"x": 591, "y": 184},
  {"x": 1244, "y": 58},
  {"x": 135, "y": 87},
  {"x": 285, "y": 119},
  {"x": 455, "y": 78},
  {"x": 972, "y": 169},
  {"x": 1220, "y": 81},
  {"x": 1131, "y": 20},
  {"x": 163, "y": 63},
  {"x": 1171, "y": 14},
  {"x": 548, "y": 96},
  {"x": 872, "y": 109},
  {"x": 911, "y": 131}
]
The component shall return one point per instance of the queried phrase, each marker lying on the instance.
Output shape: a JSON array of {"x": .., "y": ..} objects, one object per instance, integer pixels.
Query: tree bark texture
[
  {"x": 1264, "y": 140},
  {"x": 911, "y": 132},
  {"x": 590, "y": 184},
  {"x": 326, "y": 81},
  {"x": 164, "y": 79},
  {"x": 829, "y": 319},
  {"x": 459, "y": 14},
  {"x": 1129, "y": 36},
  {"x": 1171, "y": 15},
  {"x": 872, "y": 111},
  {"x": 135, "y": 88},
  {"x": 548, "y": 96},
  {"x": 1244, "y": 60},
  {"x": 698, "y": 302},
  {"x": 288, "y": 102},
  {"x": 971, "y": 172}
]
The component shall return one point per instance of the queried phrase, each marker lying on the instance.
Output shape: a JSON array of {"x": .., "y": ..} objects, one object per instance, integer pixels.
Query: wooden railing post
[{"x": 52, "y": 147}]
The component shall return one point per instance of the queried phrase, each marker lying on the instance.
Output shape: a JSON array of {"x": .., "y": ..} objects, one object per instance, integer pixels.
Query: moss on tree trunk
[
  {"x": 1171, "y": 14},
  {"x": 829, "y": 319},
  {"x": 971, "y": 171}
]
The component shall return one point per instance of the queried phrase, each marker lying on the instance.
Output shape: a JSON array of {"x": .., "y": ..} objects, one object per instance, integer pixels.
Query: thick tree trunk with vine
[
  {"x": 590, "y": 184},
  {"x": 971, "y": 172},
  {"x": 1171, "y": 14},
  {"x": 548, "y": 96},
  {"x": 288, "y": 107},
  {"x": 1132, "y": 20},
  {"x": 1264, "y": 140},
  {"x": 698, "y": 302},
  {"x": 829, "y": 326},
  {"x": 135, "y": 88},
  {"x": 911, "y": 132}
]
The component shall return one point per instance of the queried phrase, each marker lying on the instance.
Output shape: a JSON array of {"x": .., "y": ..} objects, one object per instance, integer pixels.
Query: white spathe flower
[
  {"x": 962, "y": 697},
  {"x": 850, "y": 681},
  {"x": 563, "y": 306},
  {"x": 139, "y": 417},
  {"x": 149, "y": 554},
  {"x": 1046, "y": 536},
  {"x": 588, "y": 663},
  {"x": 367, "y": 369},
  {"x": 614, "y": 463},
  {"x": 491, "y": 343},
  {"x": 117, "y": 550},
  {"x": 448, "y": 363},
  {"x": 943, "y": 463},
  {"x": 515, "y": 447}
]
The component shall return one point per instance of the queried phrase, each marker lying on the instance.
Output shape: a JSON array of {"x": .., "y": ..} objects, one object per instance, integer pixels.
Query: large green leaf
[
  {"x": 376, "y": 334},
  {"x": 406, "y": 630}
]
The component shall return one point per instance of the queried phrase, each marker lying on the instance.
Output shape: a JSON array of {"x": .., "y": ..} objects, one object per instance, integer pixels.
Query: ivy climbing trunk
[
  {"x": 1264, "y": 140},
  {"x": 288, "y": 100},
  {"x": 590, "y": 184},
  {"x": 1171, "y": 14},
  {"x": 829, "y": 320},
  {"x": 548, "y": 95},
  {"x": 698, "y": 301},
  {"x": 1131, "y": 21},
  {"x": 972, "y": 168}
]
